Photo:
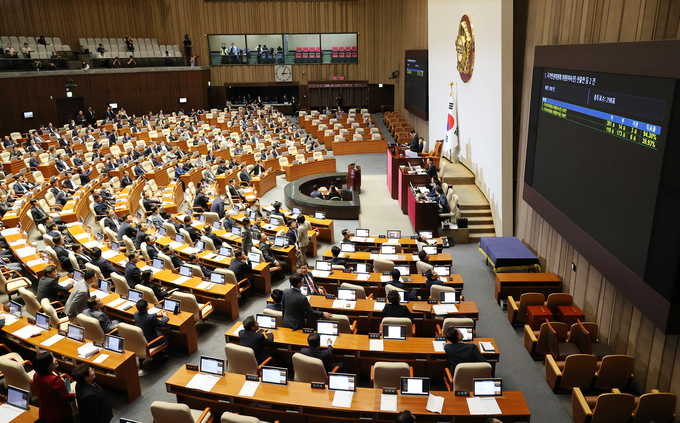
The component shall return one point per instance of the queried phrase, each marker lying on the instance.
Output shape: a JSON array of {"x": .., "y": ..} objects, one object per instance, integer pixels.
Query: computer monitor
[
  {"x": 342, "y": 382},
  {"x": 320, "y": 215},
  {"x": 200, "y": 245},
  {"x": 491, "y": 387},
  {"x": 42, "y": 320},
  {"x": 15, "y": 309},
  {"x": 235, "y": 208},
  {"x": 404, "y": 271},
  {"x": 403, "y": 297},
  {"x": 114, "y": 247},
  {"x": 415, "y": 385},
  {"x": 190, "y": 212},
  {"x": 186, "y": 271},
  {"x": 275, "y": 375},
  {"x": 304, "y": 291},
  {"x": 327, "y": 327},
  {"x": 393, "y": 234},
  {"x": 266, "y": 321},
  {"x": 426, "y": 234},
  {"x": 236, "y": 230},
  {"x": 324, "y": 265},
  {"x": 76, "y": 333},
  {"x": 113, "y": 343},
  {"x": 214, "y": 366},
  {"x": 347, "y": 294},
  {"x": 173, "y": 306},
  {"x": 388, "y": 249},
  {"x": 274, "y": 221},
  {"x": 467, "y": 332},
  {"x": 217, "y": 278},
  {"x": 347, "y": 247},
  {"x": 158, "y": 263},
  {"x": 297, "y": 210},
  {"x": 217, "y": 225},
  {"x": 162, "y": 230},
  {"x": 430, "y": 249},
  {"x": 362, "y": 268},
  {"x": 280, "y": 241},
  {"x": 17, "y": 397},
  {"x": 252, "y": 215},
  {"x": 226, "y": 252},
  {"x": 362, "y": 233},
  {"x": 449, "y": 297},
  {"x": 179, "y": 238},
  {"x": 135, "y": 295},
  {"x": 396, "y": 332},
  {"x": 77, "y": 275},
  {"x": 442, "y": 270},
  {"x": 254, "y": 257},
  {"x": 201, "y": 218},
  {"x": 104, "y": 285}
]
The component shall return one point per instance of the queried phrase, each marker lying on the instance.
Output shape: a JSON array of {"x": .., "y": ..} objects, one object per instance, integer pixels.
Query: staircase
[{"x": 480, "y": 221}]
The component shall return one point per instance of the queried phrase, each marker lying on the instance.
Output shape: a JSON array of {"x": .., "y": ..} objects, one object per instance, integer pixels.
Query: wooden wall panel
[{"x": 622, "y": 326}]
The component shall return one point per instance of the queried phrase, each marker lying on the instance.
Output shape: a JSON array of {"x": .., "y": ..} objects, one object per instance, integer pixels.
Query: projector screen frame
[{"x": 417, "y": 54}]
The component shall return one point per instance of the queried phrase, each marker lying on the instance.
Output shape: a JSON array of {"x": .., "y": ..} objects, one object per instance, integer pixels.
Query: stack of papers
[
  {"x": 175, "y": 245},
  {"x": 17, "y": 242},
  {"x": 115, "y": 302},
  {"x": 35, "y": 262},
  {"x": 343, "y": 399},
  {"x": 325, "y": 338},
  {"x": 181, "y": 280},
  {"x": 25, "y": 252},
  {"x": 388, "y": 256},
  {"x": 415, "y": 257},
  {"x": 87, "y": 350},
  {"x": 52, "y": 340},
  {"x": 435, "y": 404},
  {"x": 358, "y": 239},
  {"x": 438, "y": 346},
  {"x": 378, "y": 306},
  {"x": 92, "y": 244},
  {"x": 109, "y": 254},
  {"x": 441, "y": 309},
  {"x": 376, "y": 345},
  {"x": 203, "y": 285},
  {"x": 483, "y": 406},
  {"x": 9, "y": 319},
  {"x": 100, "y": 294},
  {"x": 388, "y": 402},
  {"x": 153, "y": 310},
  {"x": 248, "y": 389},
  {"x": 363, "y": 276},
  {"x": 202, "y": 382},
  {"x": 8, "y": 413},
  {"x": 209, "y": 256},
  {"x": 191, "y": 250},
  {"x": 487, "y": 347},
  {"x": 27, "y": 332},
  {"x": 100, "y": 359},
  {"x": 82, "y": 236},
  {"x": 11, "y": 231},
  {"x": 320, "y": 273},
  {"x": 344, "y": 304},
  {"x": 238, "y": 329}
]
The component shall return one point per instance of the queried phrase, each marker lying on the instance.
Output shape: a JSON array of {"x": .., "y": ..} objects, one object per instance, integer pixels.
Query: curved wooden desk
[
  {"x": 341, "y": 148},
  {"x": 300, "y": 170}
]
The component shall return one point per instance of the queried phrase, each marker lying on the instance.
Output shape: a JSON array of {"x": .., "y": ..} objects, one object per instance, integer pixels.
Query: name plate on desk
[
  {"x": 387, "y": 273},
  {"x": 347, "y": 271},
  {"x": 307, "y": 330},
  {"x": 414, "y": 237},
  {"x": 253, "y": 378},
  {"x": 330, "y": 296},
  {"x": 389, "y": 391},
  {"x": 440, "y": 338},
  {"x": 192, "y": 367},
  {"x": 432, "y": 301},
  {"x": 462, "y": 393},
  {"x": 373, "y": 336},
  {"x": 382, "y": 236},
  {"x": 318, "y": 385},
  {"x": 381, "y": 300}
]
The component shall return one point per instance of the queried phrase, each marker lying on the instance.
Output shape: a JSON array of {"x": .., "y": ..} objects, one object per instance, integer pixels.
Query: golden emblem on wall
[{"x": 465, "y": 48}]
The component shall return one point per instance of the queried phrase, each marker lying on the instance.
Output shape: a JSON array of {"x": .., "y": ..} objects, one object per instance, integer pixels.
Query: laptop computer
[
  {"x": 76, "y": 333},
  {"x": 274, "y": 221},
  {"x": 134, "y": 295},
  {"x": 395, "y": 332},
  {"x": 158, "y": 263},
  {"x": 430, "y": 249},
  {"x": 487, "y": 387},
  {"x": 217, "y": 225},
  {"x": 347, "y": 247},
  {"x": 163, "y": 230},
  {"x": 404, "y": 271},
  {"x": 362, "y": 268},
  {"x": 252, "y": 215},
  {"x": 217, "y": 278},
  {"x": 179, "y": 238},
  {"x": 186, "y": 271},
  {"x": 266, "y": 321},
  {"x": 362, "y": 233},
  {"x": 426, "y": 234},
  {"x": 226, "y": 252},
  {"x": 324, "y": 266},
  {"x": 235, "y": 230},
  {"x": 415, "y": 386},
  {"x": 42, "y": 320},
  {"x": 274, "y": 375},
  {"x": 393, "y": 234},
  {"x": 442, "y": 270},
  {"x": 254, "y": 259},
  {"x": 342, "y": 382},
  {"x": 17, "y": 397},
  {"x": 104, "y": 285},
  {"x": 213, "y": 366},
  {"x": 347, "y": 294},
  {"x": 467, "y": 332},
  {"x": 113, "y": 343},
  {"x": 328, "y": 329},
  {"x": 15, "y": 309},
  {"x": 281, "y": 241},
  {"x": 403, "y": 297},
  {"x": 172, "y": 306},
  {"x": 449, "y": 297},
  {"x": 320, "y": 215},
  {"x": 200, "y": 246}
]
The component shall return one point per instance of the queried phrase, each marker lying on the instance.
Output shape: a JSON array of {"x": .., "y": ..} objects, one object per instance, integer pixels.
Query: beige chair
[
  {"x": 96, "y": 270},
  {"x": 129, "y": 245},
  {"x": 422, "y": 267},
  {"x": 209, "y": 244},
  {"x": 390, "y": 287},
  {"x": 614, "y": 371},
  {"x": 557, "y": 299},
  {"x": 167, "y": 261},
  {"x": 32, "y": 304},
  {"x": 170, "y": 230},
  {"x": 120, "y": 284},
  {"x": 241, "y": 360},
  {"x": 55, "y": 321},
  {"x": 410, "y": 326},
  {"x": 195, "y": 270},
  {"x": 147, "y": 294},
  {"x": 210, "y": 218},
  {"x": 536, "y": 341},
  {"x": 15, "y": 374},
  {"x": 655, "y": 407},
  {"x": 517, "y": 312},
  {"x": 230, "y": 278},
  {"x": 343, "y": 324},
  {"x": 609, "y": 408},
  {"x": 309, "y": 369},
  {"x": 73, "y": 260},
  {"x": 55, "y": 260},
  {"x": 228, "y": 417},
  {"x": 318, "y": 155},
  {"x": 170, "y": 412},
  {"x": 189, "y": 304},
  {"x": 436, "y": 290},
  {"x": 576, "y": 371},
  {"x": 11, "y": 286},
  {"x": 380, "y": 265},
  {"x": 463, "y": 375},
  {"x": 93, "y": 330},
  {"x": 135, "y": 342},
  {"x": 277, "y": 313},
  {"x": 387, "y": 374},
  {"x": 361, "y": 292},
  {"x": 454, "y": 322},
  {"x": 38, "y": 177}
]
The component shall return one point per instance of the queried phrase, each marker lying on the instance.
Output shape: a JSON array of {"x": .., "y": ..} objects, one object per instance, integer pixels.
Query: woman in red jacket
[{"x": 50, "y": 388}]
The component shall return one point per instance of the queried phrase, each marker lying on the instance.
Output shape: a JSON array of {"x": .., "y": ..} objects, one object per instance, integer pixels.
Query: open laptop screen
[
  {"x": 449, "y": 297},
  {"x": 393, "y": 234},
  {"x": 397, "y": 332},
  {"x": 442, "y": 270},
  {"x": 266, "y": 321},
  {"x": 487, "y": 387},
  {"x": 75, "y": 333},
  {"x": 430, "y": 249},
  {"x": 347, "y": 294},
  {"x": 113, "y": 343},
  {"x": 362, "y": 268},
  {"x": 467, "y": 332},
  {"x": 327, "y": 327},
  {"x": 17, "y": 397},
  {"x": 362, "y": 233},
  {"x": 275, "y": 375},
  {"x": 42, "y": 321},
  {"x": 211, "y": 365},
  {"x": 347, "y": 247},
  {"x": 415, "y": 385},
  {"x": 217, "y": 278},
  {"x": 324, "y": 265},
  {"x": 171, "y": 305},
  {"x": 342, "y": 382},
  {"x": 388, "y": 249},
  {"x": 134, "y": 295},
  {"x": 404, "y": 271}
]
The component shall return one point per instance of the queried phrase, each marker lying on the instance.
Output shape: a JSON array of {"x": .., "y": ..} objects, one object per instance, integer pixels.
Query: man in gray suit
[
  {"x": 48, "y": 285},
  {"x": 77, "y": 301},
  {"x": 148, "y": 323},
  {"x": 294, "y": 305},
  {"x": 218, "y": 206},
  {"x": 94, "y": 306}
]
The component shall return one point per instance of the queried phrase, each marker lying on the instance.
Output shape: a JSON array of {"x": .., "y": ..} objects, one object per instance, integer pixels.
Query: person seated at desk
[
  {"x": 243, "y": 175},
  {"x": 148, "y": 323},
  {"x": 21, "y": 186},
  {"x": 5, "y": 205},
  {"x": 346, "y": 237},
  {"x": 265, "y": 247},
  {"x": 201, "y": 200},
  {"x": 62, "y": 253},
  {"x": 195, "y": 260},
  {"x": 125, "y": 180},
  {"x": 148, "y": 281},
  {"x": 141, "y": 234},
  {"x": 294, "y": 305},
  {"x": 208, "y": 233},
  {"x": 92, "y": 404},
  {"x": 94, "y": 310},
  {"x": 112, "y": 221},
  {"x": 424, "y": 257},
  {"x": 193, "y": 232},
  {"x": 251, "y": 337},
  {"x": 393, "y": 308},
  {"x": 431, "y": 168},
  {"x": 419, "y": 147},
  {"x": 413, "y": 294},
  {"x": 258, "y": 169},
  {"x": 133, "y": 275},
  {"x": 459, "y": 352},
  {"x": 170, "y": 252},
  {"x": 48, "y": 285},
  {"x": 61, "y": 165},
  {"x": 278, "y": 213},
  {"x": 432, "y": 278},
  {"x": 77, "y": 300},
  {"x": 406, "y": 417},
  {"x": 308, "y": 280},
  {"x": 442, "y": 202},
  {"x": 314, "y": 341},
  {"x": 217, "y": 205},
  {"x": 315, "y": 193},
  {"x": 239, "y": 265},
  {"x": 50, "y": 388},
  {"x": 105, "y": 266},
  {"x": 100, "y": 208},
  {"x": 277, "y": 296},
  {"x": 80, "y": 255},
  {"x": 234, "y": 192},
  {"x": 126, "y": 228},
  {"x": 434, "y": 183},
  {"x": 221, "y": 168},
  {"x": 333, "y": 193},
  {"x": 337, "y": 261}
]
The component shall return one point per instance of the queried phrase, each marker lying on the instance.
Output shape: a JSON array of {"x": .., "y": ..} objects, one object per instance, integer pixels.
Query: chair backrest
[
  {"x": 147, "y": 293},
  {"x": 655, "y": 407},
  {"x": 436, "y": 289},
  {"x": 615, "y": 372},
  {"x": 73, "y": 260},
  {"x": 456, "y": 322},
  {"x": 145, "y": 253},
  {"x": 15, "y": 374},
  {"x": 240, "y": 360},
  {"x": 380, "y": 265},
  {"x": 465, "y": 372},
  {"x": 210, "y": 218},
  {"x": 528, "y": 299},
  {"x": 561, "y": 331},
  {"x": 398, "y": 321},
  {"x": 38, "y": 177},
  {"x": 51, "y": 312},
  {"x": 422, "y": 267},
  {"x": 48, "y": 240},
  {"x": 579, "y": 370},
  {"x": 120, "y": 284},
  {"x": 133, "y": 338},
  {"x": 128, "y": 243},
  {"x": 93, "y": 330},
  {"x": 389, "y": 288},
  {"x": 188, "y": 303},
  {"x": 389, "y": 374},
  {"x": 308, "y": 369},
  {"x": 277, "y": 313},
  {"x": 167, "y": 261},
  {"x": 361, "y": 292},
  {"x": 170, "y": 412},
  {"x": 613, "y": 408},
  {"x": 32, "y": 304},
  {"x": 228, "y": 417},
  {"x": 557, "y": 299},
  {"x": 171, "y": 232},
  {"x": 344, "y": 325}
]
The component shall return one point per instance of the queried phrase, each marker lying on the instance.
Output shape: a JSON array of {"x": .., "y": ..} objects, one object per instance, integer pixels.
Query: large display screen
[
  {"x": 415, "y": 83},
  {"x": 596, "y": 154}
]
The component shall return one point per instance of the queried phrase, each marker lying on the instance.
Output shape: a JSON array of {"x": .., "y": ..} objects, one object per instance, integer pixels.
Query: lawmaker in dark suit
[
  {"x": 103, "y": 264},
  {"x": 217, "y": 242},
  {"x": 201, "y": 201},
  {"x": 294, "y": 305},
  {"x": 133, "y": 275},
  {"x": 48, "y": 285},
  {"x": 314, "y": 341},
  {"x": 92, "y": 404},
  {"x": 308, "y": 280},
  {"x": 393, "y": 308},
  {"x": 431, "y": 278},
  {"x": 413, "y": 294},
  {"x": 112, "y": 221},
  {"x": 149, "y": 322},
  {"x": 335, "y": 251},
  {"x": 431, "y": 168},
  {"x": 458, "y": 352},
  {"x": 125, "y": 180},
  {"x": 414, "y": 141},
  {"x": 218, "y": 206},
  {"x": 62, "y": 254},
  {"x": 193, "y": 232},
  {"x": 239, "y": 265},
  {"x": 39, "y": 216},
  {"x": 251, "y": 338},
  {"x": 126, "y": 228},
  {"x": 100, "y": 208}
]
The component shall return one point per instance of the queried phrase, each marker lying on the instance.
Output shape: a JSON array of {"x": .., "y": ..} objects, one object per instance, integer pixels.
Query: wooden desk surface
[
  {"x": 318, "y": 402},
  {"x": 465, "y": 308},
  {"x": 30, "y": 416},
  {"x": 301, "y": 170},
  {"x": 439, "y": 259}
]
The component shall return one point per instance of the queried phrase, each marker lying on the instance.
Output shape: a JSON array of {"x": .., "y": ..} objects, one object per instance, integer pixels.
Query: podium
[{"x": 354, "y": 178}]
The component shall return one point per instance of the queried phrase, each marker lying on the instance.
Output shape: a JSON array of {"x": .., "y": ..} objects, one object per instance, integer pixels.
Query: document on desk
[
  {"x": 27, "y": 332},
  {"x": 483, "y": 406},
  {"x": 9, "y": 319},
  {"x": 8, "y": 413},
  {"x": 388, "y": 256},
  {"x": 438, "y": 346},
  {"x": 343, "y": 399},
  {"x": 370, "y": 239},
  {"x": 109, "y": 254},
  {"x": 92, "y": 244},
  {"x": 36, "y": 262},
  {"x": 384, "y": 278},
  {"x": 175, "y": 245},
  {"x": 202, "y": 382},
  {"x": 191, "y": 250},
  {"x": 181, "y": 280},
  {"x": 347, "y": 305},
  {"x": 25, "y": 252},
  {"x": 435, "y": 404},
  {"x": 376, "y": 345},
  {"x": 363, "y": 276},
  {"x": 320, "y": 273},
  {"x": 209, "y": 256},
  {"x": 487, "y": 346},
  {"x": 66, "y": 282},
  {"x": 238, "y": 329},
  {"x": 373, "y": 256},
  {"x": 125, "y": 305},
  {"x": 115, "y": 303},
  {"x": 21, "y": 242},
  {"x": 81, "y": 236},
  {"x": 378, "y": 306},
  {"x": 153, "y": 310},
  {"x": 388, "y": 402},
  {"x": 52, "y": 340},
  {"x": 441, "y": 309},
  {"x": 415, "y": 257},
  {"x": 248, "y": 389},
  {"x": 100, "y": 294},
  {"x": 358, "y": 239},
  {"x": 203, "y": 285},
  {"x": 100, "y": 359}
]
